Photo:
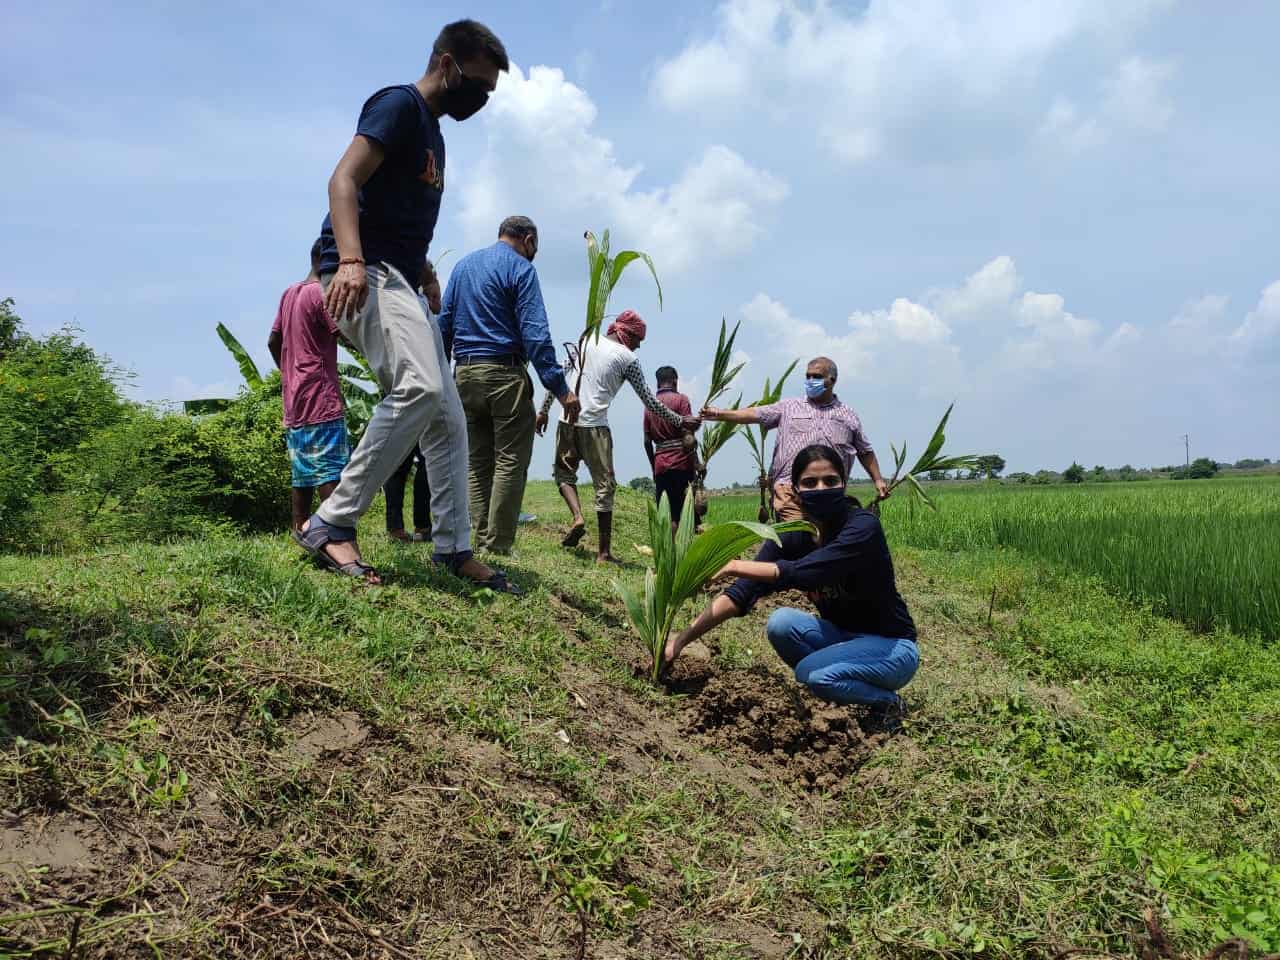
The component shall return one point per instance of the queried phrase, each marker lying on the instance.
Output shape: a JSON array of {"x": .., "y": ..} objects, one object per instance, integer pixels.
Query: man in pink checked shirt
[{"x": 817, "y": 417}]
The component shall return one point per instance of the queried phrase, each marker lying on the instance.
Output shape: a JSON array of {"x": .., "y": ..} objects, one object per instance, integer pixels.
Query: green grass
[
  {"x": 1207, "y": 552},
  {"x": 1072, "y": 759}
]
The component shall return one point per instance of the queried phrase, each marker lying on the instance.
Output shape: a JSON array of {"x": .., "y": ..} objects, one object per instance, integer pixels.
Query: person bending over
[
  {"x": 607, "y": 364},
  {"x": 860, "y": 647},
  {"x": 304, "y": 345}
]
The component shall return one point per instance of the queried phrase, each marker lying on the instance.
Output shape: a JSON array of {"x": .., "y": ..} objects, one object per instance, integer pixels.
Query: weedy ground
[{"x": 210, "y": 748}]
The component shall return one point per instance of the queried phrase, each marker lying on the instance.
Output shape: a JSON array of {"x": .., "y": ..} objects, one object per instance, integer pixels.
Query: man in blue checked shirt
[{"x": 494, "y": 324}]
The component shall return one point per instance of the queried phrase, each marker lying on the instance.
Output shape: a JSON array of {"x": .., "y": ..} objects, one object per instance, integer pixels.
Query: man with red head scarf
[{"x": 602, "y": 369}]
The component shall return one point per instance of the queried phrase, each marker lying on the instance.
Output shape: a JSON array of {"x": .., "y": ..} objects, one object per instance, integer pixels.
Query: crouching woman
[{"x": 860, "y": 648}]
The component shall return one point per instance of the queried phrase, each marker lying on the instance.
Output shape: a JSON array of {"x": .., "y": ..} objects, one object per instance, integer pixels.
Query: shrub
[
  {"x": 55, "y": 391},
  {"x": 79, "y": 465},
  {"x": 249, "y": 457}
]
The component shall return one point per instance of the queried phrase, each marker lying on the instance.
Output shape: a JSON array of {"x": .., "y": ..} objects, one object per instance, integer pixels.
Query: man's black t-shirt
[
  {"x": 400, "y": 203},
  {"x": 849, "y": 578}
]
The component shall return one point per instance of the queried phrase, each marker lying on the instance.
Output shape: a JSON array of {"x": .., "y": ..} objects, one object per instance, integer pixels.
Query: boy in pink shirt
[{"x": 304, "y": 343}]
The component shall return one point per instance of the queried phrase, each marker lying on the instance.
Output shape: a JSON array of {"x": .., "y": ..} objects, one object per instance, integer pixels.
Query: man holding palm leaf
[
  {"x": 605, "y": 366},
  {"x": 817, "y": 417}
]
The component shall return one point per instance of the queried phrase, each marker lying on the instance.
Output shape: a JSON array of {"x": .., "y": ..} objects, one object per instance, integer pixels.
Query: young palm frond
[
  {"x": 932, "y": 459},
  {"x": 682, "y": 563},
  {"x": 717, "y": 435},
  {"x": 603, "y": 272},
  {"x": 771, "y": 394},
  {"x": 721, "y": 373}
]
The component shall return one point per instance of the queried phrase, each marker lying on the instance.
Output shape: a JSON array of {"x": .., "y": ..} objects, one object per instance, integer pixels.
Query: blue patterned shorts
[{"x": 318, "y": 452}]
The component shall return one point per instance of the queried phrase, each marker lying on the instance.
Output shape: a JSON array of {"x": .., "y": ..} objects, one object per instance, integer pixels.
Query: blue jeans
[{"x": 840, "y": 666}]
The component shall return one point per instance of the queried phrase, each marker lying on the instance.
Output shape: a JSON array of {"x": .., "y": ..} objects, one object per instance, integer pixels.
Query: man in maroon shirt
[
  {"x": 670, "y": 448},
  {"x": 304, "y": 344}
]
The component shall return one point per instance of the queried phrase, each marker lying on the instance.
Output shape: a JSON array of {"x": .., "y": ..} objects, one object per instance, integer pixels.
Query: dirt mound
[
  {"x": 318, "y": 735},
  {"x": 772, "y": 722}
]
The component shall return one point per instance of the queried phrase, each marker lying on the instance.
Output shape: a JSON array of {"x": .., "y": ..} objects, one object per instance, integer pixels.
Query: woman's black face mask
[
  {"x": 464, "y": 98},
  {"x": 825, "y": 505}
]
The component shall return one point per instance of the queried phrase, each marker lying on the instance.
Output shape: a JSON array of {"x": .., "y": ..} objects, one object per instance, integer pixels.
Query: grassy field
[
  {"x": 210, "y": 748},
  {"x": 1205, "y": 551}
]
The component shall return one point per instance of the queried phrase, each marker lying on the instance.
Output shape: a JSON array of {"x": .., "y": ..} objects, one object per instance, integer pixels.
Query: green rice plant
[
  {"x": 1206, "y": 552},
  {"x": 771, "y": 394},
  {"x": 682, "y": 563}
]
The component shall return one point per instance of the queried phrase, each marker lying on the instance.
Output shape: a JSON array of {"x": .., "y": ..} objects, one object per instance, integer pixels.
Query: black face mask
[
  {"x": 464, "y": 98},
  {"x": 826, "y": 505}
]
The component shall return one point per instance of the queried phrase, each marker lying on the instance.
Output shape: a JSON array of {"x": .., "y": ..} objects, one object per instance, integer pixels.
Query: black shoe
[{"x": 888, "y": 718}]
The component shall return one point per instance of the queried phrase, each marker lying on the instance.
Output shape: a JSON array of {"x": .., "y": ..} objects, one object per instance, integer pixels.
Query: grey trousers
[{"x": 420, "y": 405}]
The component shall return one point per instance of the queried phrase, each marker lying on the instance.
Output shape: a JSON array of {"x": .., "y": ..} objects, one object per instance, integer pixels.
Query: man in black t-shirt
[{"x": 384, "y": 198}]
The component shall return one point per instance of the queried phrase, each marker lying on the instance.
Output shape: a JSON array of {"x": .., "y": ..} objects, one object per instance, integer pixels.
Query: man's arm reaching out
[{"x": 745, "y": 415}]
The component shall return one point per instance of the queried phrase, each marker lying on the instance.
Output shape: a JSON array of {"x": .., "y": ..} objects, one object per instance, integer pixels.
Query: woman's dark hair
[{"x": 815, "y": 453}]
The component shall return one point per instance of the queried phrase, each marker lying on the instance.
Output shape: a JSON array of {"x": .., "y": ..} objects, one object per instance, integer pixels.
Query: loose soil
[{"x": 769, "y": 721}]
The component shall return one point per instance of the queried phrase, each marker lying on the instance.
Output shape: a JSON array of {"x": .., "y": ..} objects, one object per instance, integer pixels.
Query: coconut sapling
[{"x": 682, "y": 564}]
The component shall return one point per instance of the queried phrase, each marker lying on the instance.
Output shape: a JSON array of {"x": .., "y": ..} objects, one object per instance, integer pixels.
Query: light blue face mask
[{"x": 814, "y": 387}]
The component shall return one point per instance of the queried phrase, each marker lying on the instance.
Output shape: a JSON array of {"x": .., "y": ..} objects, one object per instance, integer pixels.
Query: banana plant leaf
[{"x": 248, "y": 369}]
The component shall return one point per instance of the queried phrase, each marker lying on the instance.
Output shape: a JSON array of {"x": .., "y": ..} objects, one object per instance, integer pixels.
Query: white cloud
[
  {"x": 1132, "y": 99},
  {"x": 544, "y": 158},
  {"x": 1065, "y": 126},
  {"x": 873, "y": 74},
  {"x": 1262, "y": 323},
  {"x": 792, "y": 337},
  {"x": 1136, "y": 94},
  {"x": 1200, "y": 316},
  {"x": 989, "y": 289}
]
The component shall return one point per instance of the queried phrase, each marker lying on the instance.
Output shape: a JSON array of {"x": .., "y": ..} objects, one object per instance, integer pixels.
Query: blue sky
[{"x": 1064, "y": 216}]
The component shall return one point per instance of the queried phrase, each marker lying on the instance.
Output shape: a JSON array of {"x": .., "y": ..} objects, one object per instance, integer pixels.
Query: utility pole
[{"x": 1186, "y": 441}]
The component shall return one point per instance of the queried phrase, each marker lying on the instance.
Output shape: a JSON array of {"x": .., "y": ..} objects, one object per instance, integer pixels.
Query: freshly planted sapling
[{"x": 682, "y": 563}]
